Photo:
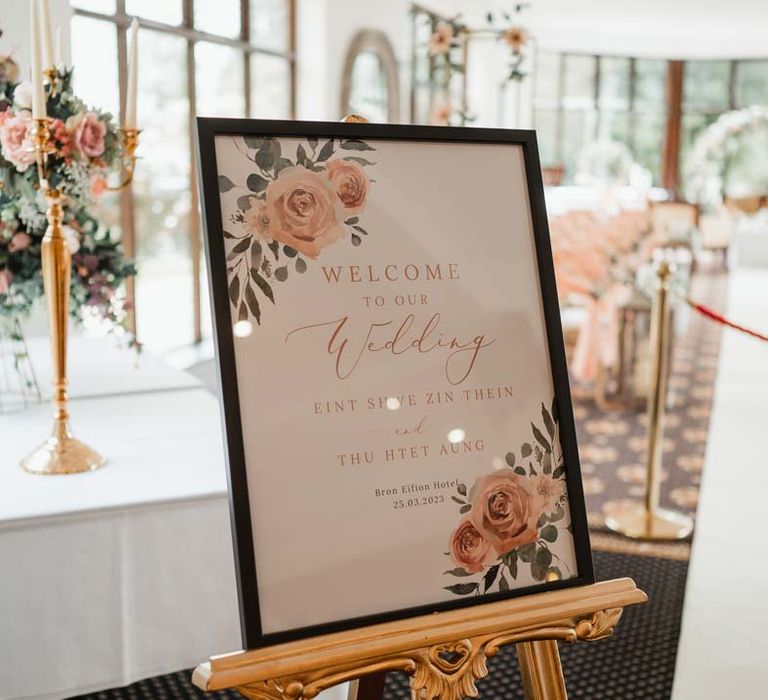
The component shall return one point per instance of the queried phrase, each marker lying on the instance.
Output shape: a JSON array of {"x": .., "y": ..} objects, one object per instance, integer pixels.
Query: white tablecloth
[{"x": 126, "y": 572}]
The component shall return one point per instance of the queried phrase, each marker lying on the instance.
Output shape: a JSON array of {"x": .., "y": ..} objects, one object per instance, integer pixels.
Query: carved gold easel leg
[{"x": 541, "y": 671}]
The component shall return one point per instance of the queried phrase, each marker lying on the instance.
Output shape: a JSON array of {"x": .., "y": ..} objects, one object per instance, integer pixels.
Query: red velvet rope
[{"x": 711, "y": 313}]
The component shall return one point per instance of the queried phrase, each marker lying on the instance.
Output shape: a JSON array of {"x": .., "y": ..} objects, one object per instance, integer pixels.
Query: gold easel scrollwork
[{"x": 445, "y": 654}]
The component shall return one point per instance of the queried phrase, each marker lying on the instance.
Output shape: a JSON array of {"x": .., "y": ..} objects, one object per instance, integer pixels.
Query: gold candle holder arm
[
  {"x": 129, "y": 142},
  {"x": 42, "y": 146}
]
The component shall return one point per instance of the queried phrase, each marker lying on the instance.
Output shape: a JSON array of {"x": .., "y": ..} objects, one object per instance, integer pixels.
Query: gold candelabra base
[
  {"x": 62, "y": 453},
  {"x": 633, "y": 520}
]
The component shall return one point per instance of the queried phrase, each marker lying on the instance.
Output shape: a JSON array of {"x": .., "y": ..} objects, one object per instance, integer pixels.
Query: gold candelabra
[{"x": 61, "y": 452}]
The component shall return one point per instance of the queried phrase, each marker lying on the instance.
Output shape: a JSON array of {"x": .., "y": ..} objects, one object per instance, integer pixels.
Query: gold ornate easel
[{"x": 444, "y": 653}]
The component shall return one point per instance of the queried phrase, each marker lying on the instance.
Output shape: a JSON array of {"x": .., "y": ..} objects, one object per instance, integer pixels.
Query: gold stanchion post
[{"x": 647, "y": 520}]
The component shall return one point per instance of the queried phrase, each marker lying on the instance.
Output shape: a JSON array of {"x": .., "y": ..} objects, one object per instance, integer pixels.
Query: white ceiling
[{"x": 662, "y": 28}]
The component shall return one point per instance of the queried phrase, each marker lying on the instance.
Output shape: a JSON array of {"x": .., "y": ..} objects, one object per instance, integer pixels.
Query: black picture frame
[{"x": 207, "y": 130}]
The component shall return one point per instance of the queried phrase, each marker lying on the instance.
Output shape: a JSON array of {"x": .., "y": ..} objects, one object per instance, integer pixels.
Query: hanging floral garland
[
  {"x": 708, "y": 163},
  {"x": 445, "y": 47},
  {"x": 510, "y": 30}
]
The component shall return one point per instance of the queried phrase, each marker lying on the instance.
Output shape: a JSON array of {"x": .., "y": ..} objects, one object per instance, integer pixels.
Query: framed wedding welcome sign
[{"x": 398, "y": 420}]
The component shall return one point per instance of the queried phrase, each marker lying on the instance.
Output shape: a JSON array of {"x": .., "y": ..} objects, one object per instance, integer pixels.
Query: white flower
[
  {"x": 22, "y": 96},
  {"x": 73, "y": 240}
]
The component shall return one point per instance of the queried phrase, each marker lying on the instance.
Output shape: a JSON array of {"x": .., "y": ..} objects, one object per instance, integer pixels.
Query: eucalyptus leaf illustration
[
  {"x": 256, "y": 183},
  {"x": 462, "y": 588},
  {"x": 356, "y": 145},
  {"x": 225, "y": 184},
  {"x": 325, "y": 152}
]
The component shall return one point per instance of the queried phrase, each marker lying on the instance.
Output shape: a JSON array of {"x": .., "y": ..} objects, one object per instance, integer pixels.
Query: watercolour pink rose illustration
[
  {"x": 503, "y": 511},
  {"x": 351, "y": 184},
  {"x": 512, "y": 518},
  {"x": 290, "y": 211},
  {"x": 89, "y": 135},
  {"x": 16, "y": 140},
  {"x": 304, "y": 211},
  {"x": 469, "y": 549}
]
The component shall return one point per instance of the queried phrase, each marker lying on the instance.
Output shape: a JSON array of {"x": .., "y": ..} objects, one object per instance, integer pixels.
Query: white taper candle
[
  {"x": 38, "y": 91},
  {"x": 133, "y": 73},
  {"x": 59, "y": 49},
  {"x": 47, "y": 34}
]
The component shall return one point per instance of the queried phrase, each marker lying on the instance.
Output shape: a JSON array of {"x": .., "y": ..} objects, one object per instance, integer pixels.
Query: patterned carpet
[{"x": 639, "y": 661}]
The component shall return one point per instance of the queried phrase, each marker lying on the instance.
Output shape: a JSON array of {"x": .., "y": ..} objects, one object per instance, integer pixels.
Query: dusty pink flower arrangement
[
  {"x": 512, "y": 516},
  {"x": 292, "y": 209}
]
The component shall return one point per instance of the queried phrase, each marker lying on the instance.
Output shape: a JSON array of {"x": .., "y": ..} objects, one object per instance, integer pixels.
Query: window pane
[
  {"x": 218, "y": 17},
  {"x": 219, "y": 81},
  {"x": 545, "y": 123},
  {"x": 706, "y": 85},
  {"x": 167, "y": 11},
  {"x": 368, "y": 93},
  {"x": 269, "y": 24},
  {"x": 163, "y": 195},
  {"x": 579, "y": 131},
  {"x": 752, "y": 83},
  {"x": 649, "y": 142},
  {"x": 614, "y": 83},
  {"x": 270, "y": 87},
  {"x": 650, "y": 84},
  {"x": 547, "y": 79},
  {"x": 105, "y": 7},
  {"x": 614, "y": 126},
  {"x": 579, "y": 82},
  {"x": 96, "y": 81}
]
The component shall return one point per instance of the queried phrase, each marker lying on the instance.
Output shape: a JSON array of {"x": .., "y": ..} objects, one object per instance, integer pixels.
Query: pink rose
[
  {"x": 6, "y": 277},
  {"x": 16, "y": 140},
  {"x": 351, "y": 184},
  {"x": 89, "y": 135},
  {"x": 502, "y": 511},
  {"x": 19, "y": 242},
  {"x": 304, "y": 211},
  {"x": 469, "y": 549}
]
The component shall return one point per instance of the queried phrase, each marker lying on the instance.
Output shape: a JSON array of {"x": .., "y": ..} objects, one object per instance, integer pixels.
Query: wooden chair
[
  {"x": 667, "y": 217},
  {"x": 716, "y": 232}
]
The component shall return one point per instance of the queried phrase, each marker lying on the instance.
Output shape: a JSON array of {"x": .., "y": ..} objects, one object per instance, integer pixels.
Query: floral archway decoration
[{"x": 712, "y": 156}]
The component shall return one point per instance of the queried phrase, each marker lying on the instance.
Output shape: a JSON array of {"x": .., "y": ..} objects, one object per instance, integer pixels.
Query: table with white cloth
[{"x": 126, "y": 572}]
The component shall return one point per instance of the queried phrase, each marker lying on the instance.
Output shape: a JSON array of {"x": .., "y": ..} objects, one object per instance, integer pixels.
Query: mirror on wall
[{"x": 370, "y": 85}]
